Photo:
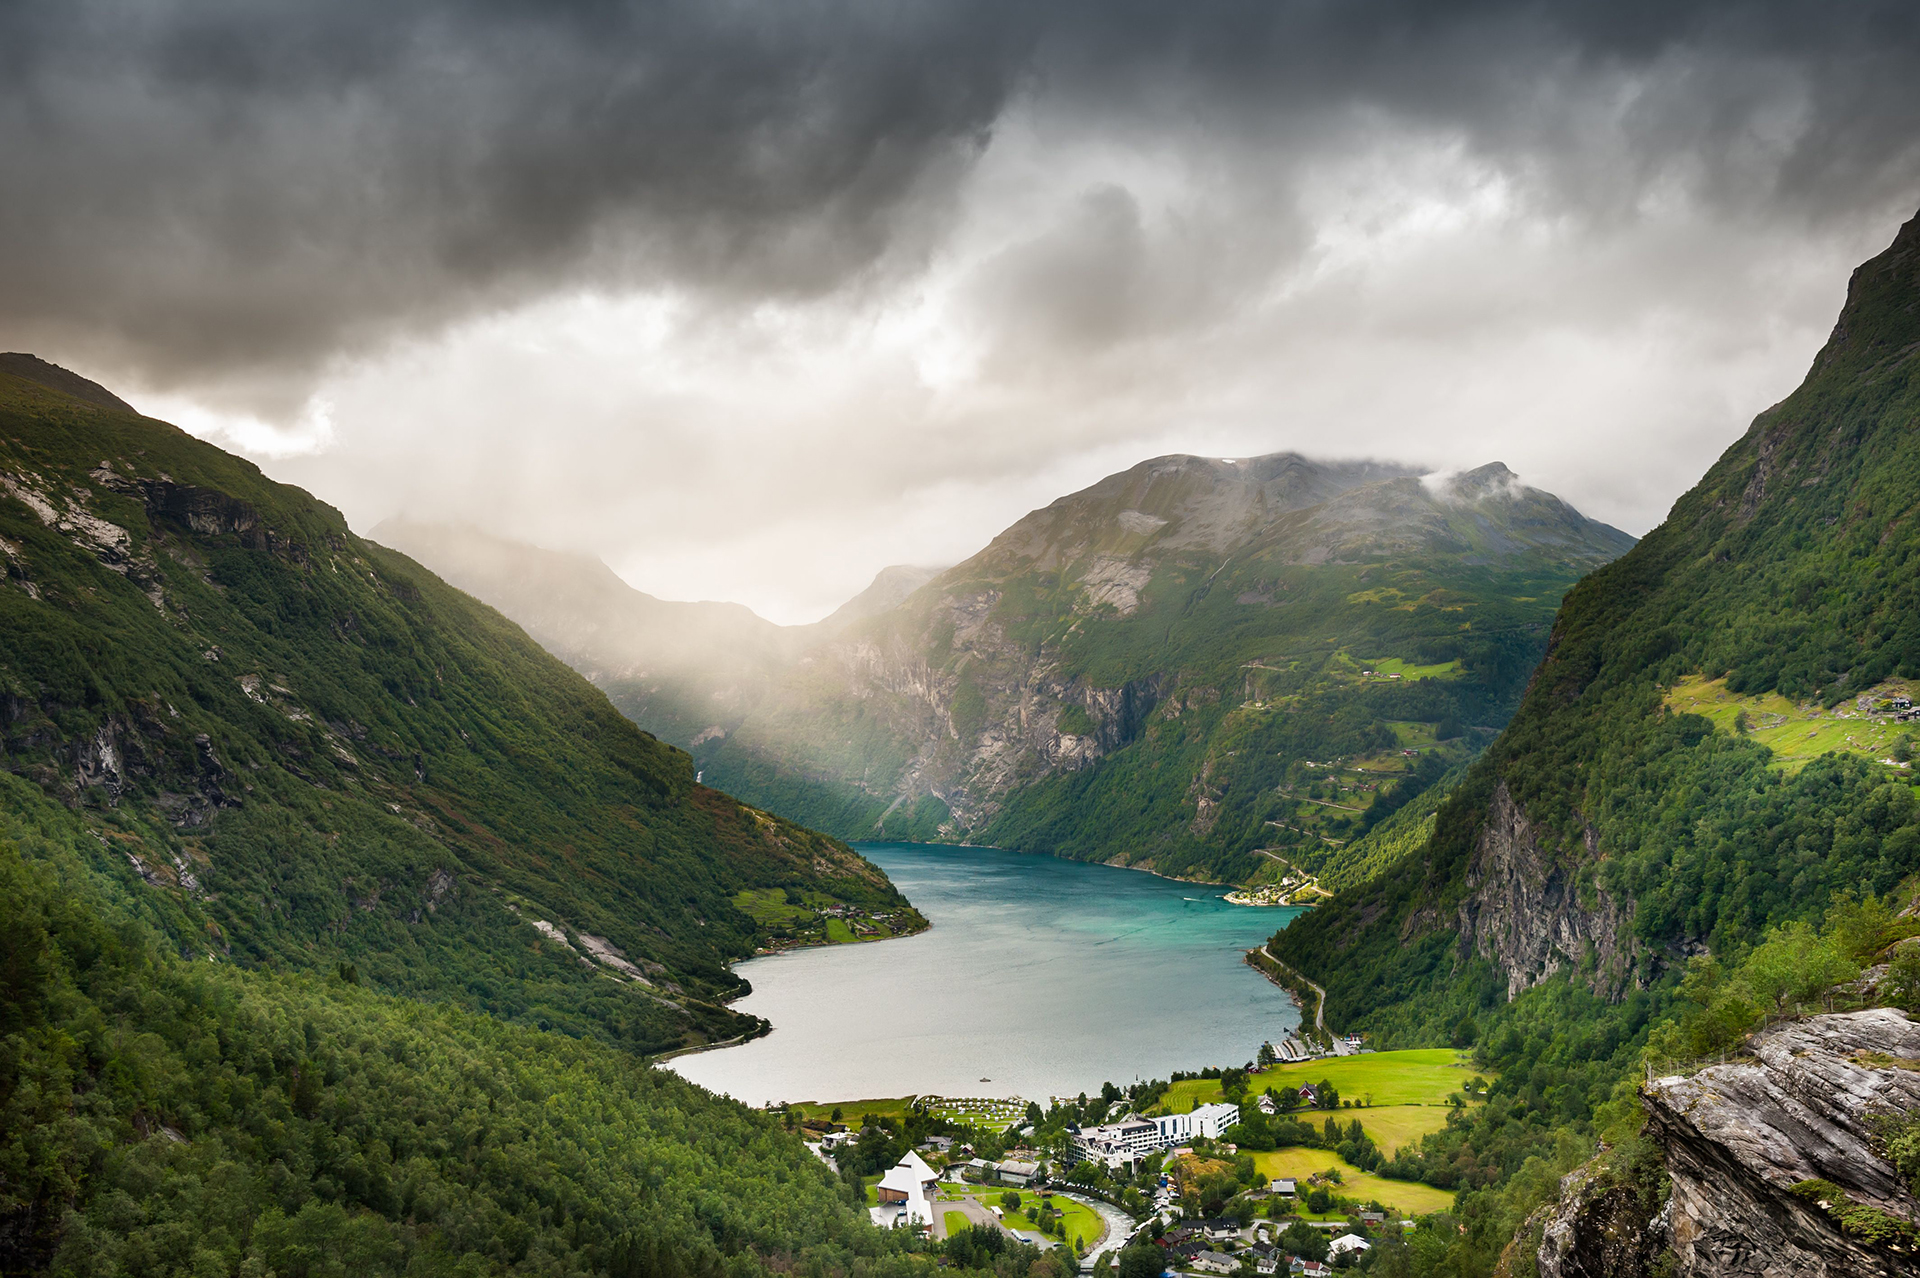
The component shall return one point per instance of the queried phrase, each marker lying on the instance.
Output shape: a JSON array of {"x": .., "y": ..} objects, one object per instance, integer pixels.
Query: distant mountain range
[{"x": 1150, "y": 671}]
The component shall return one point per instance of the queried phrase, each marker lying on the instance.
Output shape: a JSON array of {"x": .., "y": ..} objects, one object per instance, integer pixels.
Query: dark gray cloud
[{"x": 234, "y": 194}]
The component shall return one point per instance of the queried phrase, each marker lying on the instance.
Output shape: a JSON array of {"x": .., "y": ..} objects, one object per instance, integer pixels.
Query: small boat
[{"x": 986, "y": 1080}]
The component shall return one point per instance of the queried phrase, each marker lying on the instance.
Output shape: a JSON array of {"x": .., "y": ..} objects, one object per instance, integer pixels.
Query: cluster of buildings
[
  {"x": 1133, "y": 1137},
  {"x": 1291, "y": 1050},
  {"x": 1208, "y": 1246},
  {"x": 1008, "y": 1171}
]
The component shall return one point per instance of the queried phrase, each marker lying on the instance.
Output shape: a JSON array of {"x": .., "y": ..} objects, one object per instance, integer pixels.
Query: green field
[
  {"x": 1387, "y": 667},
  {"x": 1079, "y": 1224},
  {"x": 1392, "y": 1126},
  {"x": 854, "y": 1112},
  {"x": 1796, "y": 732},
  {"x": 769, "y": 907},
  {"x": 1402, "y": 1195},
  {"x": 1421, "y": 1076},
  {"x": 789, "y": 922},
  {"x": 957, "y": 1223}
]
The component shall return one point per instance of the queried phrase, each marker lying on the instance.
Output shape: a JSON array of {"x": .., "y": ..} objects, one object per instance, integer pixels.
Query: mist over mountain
[{"x": 1170, "y": 641}]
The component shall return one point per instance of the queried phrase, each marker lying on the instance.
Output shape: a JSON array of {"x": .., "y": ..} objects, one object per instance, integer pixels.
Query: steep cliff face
[
  {"x": 1532, "y": 913},
  {"x": 1598, "y": 1229}
]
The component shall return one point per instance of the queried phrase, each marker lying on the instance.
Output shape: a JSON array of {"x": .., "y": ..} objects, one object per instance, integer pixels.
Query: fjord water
[{"x": 1043, "y": 976}]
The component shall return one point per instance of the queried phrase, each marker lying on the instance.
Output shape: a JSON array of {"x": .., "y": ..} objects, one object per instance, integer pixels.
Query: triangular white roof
[{"x": 909, "y": 1176}]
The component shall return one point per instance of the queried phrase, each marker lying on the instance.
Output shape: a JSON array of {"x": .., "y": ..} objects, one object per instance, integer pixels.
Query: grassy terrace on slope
[
  {"x": 166, "y": 1116},
  {"x": 324, "y": 754},
  {"x": 1798, "y": 732}
]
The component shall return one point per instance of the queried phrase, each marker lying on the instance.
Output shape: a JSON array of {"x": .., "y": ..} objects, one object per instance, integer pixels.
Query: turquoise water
[{"x": 1042, "y": 976}]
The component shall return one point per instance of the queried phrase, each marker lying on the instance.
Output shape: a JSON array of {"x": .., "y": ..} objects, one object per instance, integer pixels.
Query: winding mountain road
[{"x": 1320, "y": 1010}]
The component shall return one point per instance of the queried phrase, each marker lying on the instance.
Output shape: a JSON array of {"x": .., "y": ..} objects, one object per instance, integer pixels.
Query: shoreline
[
  {"x": 766, "y": 1026},
  {"x": 990, "y": 847}
]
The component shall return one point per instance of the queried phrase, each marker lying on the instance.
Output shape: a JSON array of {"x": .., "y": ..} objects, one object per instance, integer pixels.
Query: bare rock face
[
  {"x": 1525, "y": 909},
  {"x": 1772, "y": 1161},
  {"x": 1601, "y": 1230}
]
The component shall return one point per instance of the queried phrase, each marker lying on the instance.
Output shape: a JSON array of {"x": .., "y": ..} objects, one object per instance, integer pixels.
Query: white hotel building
[{"x": 1131, "y": 1139}]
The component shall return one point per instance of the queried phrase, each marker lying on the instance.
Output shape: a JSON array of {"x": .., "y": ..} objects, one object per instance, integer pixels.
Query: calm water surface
[{"x": 1046, "y": 977}]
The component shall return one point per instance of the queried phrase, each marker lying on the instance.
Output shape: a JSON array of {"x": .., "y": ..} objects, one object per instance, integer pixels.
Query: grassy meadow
[
  {"x": 1797, "y": 732},
  {"x": 1406, "y": 1196},
  {"x": 1419, "y": 1076}
]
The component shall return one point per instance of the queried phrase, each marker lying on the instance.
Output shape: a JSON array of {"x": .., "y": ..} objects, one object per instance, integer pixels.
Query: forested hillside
[
  {"x": 321, "y": 754},
  {"x": 1225, "y": 669},
  {"x": 1611, "y": 834},
  {"x": 167, "y": 1115}
]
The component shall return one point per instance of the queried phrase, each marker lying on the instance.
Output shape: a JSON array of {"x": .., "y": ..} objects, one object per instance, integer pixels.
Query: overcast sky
[{"x": 755, "y": 298}]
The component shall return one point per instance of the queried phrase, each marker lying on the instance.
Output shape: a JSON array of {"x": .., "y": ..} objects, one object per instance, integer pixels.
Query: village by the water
[{"x": 1291, "y": 1163}]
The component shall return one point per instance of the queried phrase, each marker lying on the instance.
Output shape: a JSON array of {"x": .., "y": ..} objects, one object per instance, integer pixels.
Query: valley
[
  {"x": 301, "y": 779},
  {"x": 1226, "y": 640}
]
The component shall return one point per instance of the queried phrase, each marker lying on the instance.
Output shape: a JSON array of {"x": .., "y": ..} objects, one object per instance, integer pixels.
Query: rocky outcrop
[
  {"x": 1527, "y": 910},
  {"x": 1773, "y": 1159},
  {"x": 1601, "y": 1229}
]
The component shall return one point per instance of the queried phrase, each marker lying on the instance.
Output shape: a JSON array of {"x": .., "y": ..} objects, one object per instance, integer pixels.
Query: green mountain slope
[
  {"x": 316, "y": 752},
  {"x": 1609, "y": 831},
  {"x": 160, "y": 1115},
  {"x": 1631, "y": 826},
  {"x": 1180, "y": 667}
]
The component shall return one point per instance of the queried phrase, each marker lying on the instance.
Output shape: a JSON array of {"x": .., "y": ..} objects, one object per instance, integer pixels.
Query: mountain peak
[
  {"x": 888, "y": 590},
  {"x": 31, "y": 368},
  {"x": 1881, "y": 316}
]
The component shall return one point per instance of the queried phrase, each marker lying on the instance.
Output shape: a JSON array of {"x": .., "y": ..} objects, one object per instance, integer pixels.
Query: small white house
[{"x": 1346, "y": 1243}]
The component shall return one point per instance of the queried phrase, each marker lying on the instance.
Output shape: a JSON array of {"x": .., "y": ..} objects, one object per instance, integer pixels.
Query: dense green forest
[
  {"x": 1646, "y": 832},
  {"x": 330, "y": 756},
  {"x": 167, "y": 1115}
]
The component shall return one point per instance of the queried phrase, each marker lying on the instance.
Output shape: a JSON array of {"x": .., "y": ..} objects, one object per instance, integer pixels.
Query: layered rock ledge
[{"x": 1773, "y": 1159}]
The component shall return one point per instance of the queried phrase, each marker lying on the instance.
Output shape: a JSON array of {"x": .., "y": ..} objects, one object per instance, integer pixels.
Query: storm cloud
[{"x": 596, "y": 267}]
